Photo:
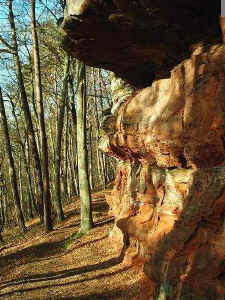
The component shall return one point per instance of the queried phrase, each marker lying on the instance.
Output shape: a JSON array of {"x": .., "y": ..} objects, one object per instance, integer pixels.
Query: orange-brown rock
[
  {"x": 168, "y": 198},
  {"x": 179, "y": 121},
  {"x": 167, "y": 128},
  {"x": 172, "y": 222}
]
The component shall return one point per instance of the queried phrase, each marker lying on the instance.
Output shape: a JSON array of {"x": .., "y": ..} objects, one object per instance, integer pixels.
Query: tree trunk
[
  {"x": 22, "y": 199},
  {"x": 2, "y": 211},
  {"x": 74, "y": 133},
  {"x": 44, "y": 144},
  {"x": 85, "y": 197},
  {"x": 99, "y": 153},
  {"x": 65, "y": 157},
  {"x": 90, "y": 158},
  {"x": 19, "y": 213},
  {"x": 60, "y": 123},
  {"x": 6, "y": 203},
  {"x": 26, "y": 163},
  {"x": 24, "y": 102}
]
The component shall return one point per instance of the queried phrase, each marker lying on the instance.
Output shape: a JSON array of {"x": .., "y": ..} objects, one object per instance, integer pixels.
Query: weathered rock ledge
[
  {"x": 179, "y": 121},
  {"x": 168, "y": 199},
  {"x": 139, "y": 40},
  {"x": 167, "y": 129}
]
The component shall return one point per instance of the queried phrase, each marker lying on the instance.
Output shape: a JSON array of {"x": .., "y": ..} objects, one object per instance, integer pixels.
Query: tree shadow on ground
[
  {"x": 87, "y": 243},
  {"x": 62, "y": 274},
  {"x": 70, "y": 250},
  {"x": 39, "y": 252},
  {"x": 98, "y": 296},
  {"x": 96, "y": 224},
  {"x": 62, "y": 226},
  {"x": 72, "y": 213},
  {"x": 100, "y": 206},
  {"x": 28, "y": 254},
  {"x": 103, "y": 222}
]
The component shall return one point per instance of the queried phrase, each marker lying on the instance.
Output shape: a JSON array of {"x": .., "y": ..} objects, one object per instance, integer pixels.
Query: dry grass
[{"x": 38, "y": 266}]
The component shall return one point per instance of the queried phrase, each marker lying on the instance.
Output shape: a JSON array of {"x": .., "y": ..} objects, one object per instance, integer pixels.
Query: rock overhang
[
  {"x": 138, "y": 40},
  {"x": 168, "y": 197}
]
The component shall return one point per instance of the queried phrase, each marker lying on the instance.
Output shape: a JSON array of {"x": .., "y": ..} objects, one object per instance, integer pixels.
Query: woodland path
[{"x": 38, "y": 266}]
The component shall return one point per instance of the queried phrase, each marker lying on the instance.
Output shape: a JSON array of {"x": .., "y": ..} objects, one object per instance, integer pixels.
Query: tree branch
[
  {"x": 51, "y": 12},
  {"x": 6, "y": 44},
  {"x": 6, "y": 51}
]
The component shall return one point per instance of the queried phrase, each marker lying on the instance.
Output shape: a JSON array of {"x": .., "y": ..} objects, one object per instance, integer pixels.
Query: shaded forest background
[{"x": 40, "y": 88}]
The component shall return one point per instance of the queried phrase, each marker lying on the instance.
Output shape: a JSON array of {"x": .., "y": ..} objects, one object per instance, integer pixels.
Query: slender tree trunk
[
  {"x": 65, "y": 161},
  {"x": 90, "y": 158},
  {"x": 73, "y": 173},
  {"x": 73, "y": 189},
  {"x": 85, "y": 197},
  {"x": 39, "y": 98},
  {"x": 102, "y": 81},
  {"x": 52, "y": 142},
  {"x": 102, "y": 155},
  {"x": 99, "y": 153},
  {"x": 33, "y": 93},
  {"x": 19, "y": 213},
  {"x": 74, "y": 122},
  {"x": 32, "y": 178},
  {"x": 6, "y": 203},
  {"x": 76, "y": 176},
  {"x": 24, "y": 101},
  {"x": 2, "y": 212},
  {"x": 21, "y": 187},
  {"x": 60, "y": 124},
  {"x": 29, "y": 199},
  {"x": 26, "y": 163}
]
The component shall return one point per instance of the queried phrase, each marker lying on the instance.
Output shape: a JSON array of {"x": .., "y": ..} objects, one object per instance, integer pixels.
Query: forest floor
[{"x": 38, "y": 266}]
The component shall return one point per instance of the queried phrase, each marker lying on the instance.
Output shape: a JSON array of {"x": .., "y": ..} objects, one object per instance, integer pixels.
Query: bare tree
[
  {"x": 39, "y": 98},
  {"x": 85, "y": 197},
  {"x": 24, "y": 101},
  {"x": 19, "y": 213},
  {"x": 60, "y": 124}
]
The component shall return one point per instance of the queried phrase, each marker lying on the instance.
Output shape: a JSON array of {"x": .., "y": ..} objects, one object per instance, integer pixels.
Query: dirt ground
[{"x": 38, "y": 266}]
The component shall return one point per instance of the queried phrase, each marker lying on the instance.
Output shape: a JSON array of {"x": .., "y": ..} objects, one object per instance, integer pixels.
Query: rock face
[
  {"x": 167, "y": 128},
  {"x": 179, "y": 121},
  {"x": 138, "y": 40}
]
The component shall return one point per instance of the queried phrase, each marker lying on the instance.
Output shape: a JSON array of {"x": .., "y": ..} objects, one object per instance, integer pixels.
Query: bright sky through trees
[{"x": 45, "y": 9}]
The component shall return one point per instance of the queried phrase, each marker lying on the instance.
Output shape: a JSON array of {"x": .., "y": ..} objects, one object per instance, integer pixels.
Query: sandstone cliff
[{"x": 167, "y": 129}]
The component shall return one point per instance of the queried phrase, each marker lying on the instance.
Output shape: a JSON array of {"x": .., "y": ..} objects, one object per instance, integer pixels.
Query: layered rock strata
[{"x": 167, "y": 129}]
